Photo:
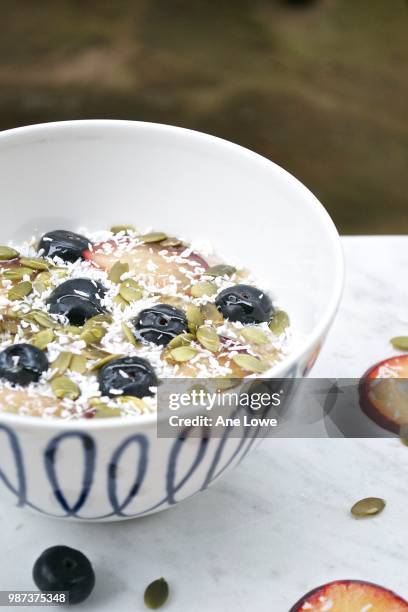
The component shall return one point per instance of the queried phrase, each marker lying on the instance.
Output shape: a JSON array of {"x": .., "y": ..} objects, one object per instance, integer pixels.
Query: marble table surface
[{"x": 279, "y": 525}]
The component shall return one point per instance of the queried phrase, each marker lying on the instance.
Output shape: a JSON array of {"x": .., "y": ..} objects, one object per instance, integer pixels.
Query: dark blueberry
[
  {"x": 78, "y": 299},
  {"x": 66, "y": 245},
  {"x": 61, "y": 568},
  {"x": 130, "y": 375},
  {"x": 22, "y": 364},
  {"x": 160, "y": 324},
  {"x": 245, "y": 304}
]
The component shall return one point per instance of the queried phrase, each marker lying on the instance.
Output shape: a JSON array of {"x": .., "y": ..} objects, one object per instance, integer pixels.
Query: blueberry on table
[
  {"x": 66, "y": 245},
  {"x": 127, "y": 376},
  {"x": 245, "y": 304},
  {"x": 22, "y": 364},
  {"x": 61, "y": 568},
  {"x": 160, "y": 324},
  {"x": 78, "y": 299}
]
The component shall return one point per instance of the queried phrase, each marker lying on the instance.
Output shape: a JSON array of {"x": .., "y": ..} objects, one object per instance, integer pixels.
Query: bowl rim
[{"x": 305, "y": 345}]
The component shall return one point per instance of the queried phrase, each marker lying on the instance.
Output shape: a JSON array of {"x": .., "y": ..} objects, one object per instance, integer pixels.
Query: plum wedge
[
  {"x": 384, "y": 393},
  {"x": 152, "y": 264},
  {"x": 350, "y": 596}
]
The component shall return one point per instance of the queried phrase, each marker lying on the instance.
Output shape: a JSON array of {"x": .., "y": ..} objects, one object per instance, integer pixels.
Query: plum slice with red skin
[
  {"x": 147, "y": 260},
  {"x": 350, "y": 596},
  {"x": 381, "y": 396}
]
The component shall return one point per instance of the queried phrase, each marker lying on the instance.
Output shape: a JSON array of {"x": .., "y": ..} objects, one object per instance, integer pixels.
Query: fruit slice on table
[
  {"x": 149, "y": 263},
  {"x": 350, "y": 596},
  {"x": 384, "y": 393}
]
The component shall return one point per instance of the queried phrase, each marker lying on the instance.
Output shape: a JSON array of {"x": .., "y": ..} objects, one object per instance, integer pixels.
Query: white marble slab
[{"x": 279, "y": 525}]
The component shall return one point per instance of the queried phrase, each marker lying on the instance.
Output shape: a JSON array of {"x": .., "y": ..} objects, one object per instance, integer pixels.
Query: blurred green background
[{"x": 321, "y": 88}]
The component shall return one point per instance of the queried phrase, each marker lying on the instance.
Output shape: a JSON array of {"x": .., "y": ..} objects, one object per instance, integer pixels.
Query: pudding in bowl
[{"x": 94, "y": 174}]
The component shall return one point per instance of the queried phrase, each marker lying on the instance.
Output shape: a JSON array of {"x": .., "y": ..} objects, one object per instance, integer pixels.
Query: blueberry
[
  {"x": 63, "y": 244},
  {"x": 130, "y": 375},
  {"x": 78, "y": 299},
  {"x": 245, "y": 304},
  {"x": 61, "y": 568},
  {"x": 22, "y": 364},
  {"x": 160, "y": 324}
]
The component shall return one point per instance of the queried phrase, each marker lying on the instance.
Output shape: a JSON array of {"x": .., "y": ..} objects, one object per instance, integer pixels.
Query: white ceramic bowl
[{"x": 100, "y": 173}]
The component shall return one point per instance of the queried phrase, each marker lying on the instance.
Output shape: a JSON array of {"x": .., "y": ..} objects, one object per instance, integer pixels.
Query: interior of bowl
[{"x": 98, "y": 173}]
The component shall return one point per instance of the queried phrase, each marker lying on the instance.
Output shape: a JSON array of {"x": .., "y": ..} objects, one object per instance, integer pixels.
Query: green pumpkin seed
[
  {"x": 65, "y": 388},
  {"x": 180, "y": 340},
  {"x": 71, "y": 329},
  {"x": 61, "y": 363},
  {"x": 78, "y": 364},
  {"x": 156, "y": 594},
  {"x": 220, "y": 270},
  {"x": 204, "y": 288},
  {"x": 116, "y": 271},
  {"x": 130, "y": 291},
  {"x": 116, "y": 229},
  {"x": 98, "y": 319},
  {"x": 369, "y": 506},
  {"x": 127, "y": 332},
  {"x": 279, "y": 322},
  {"x": 7, "y": 253},
  {"x": 20, "y": 291},
  {"x": 42, "y": 282},
  {"x": 153, "y": 237},
  {"x": 42, "y": 339},
  {"x": 400, "y": 343},
  {"x": 211, "y": 313},
  {"x": 39, "y": 317},
  {"x": 171, "y": 242},
  {"x": 106, "y": 412},
  {"x": 15, "y": 274},
  {"x": 208, "y": 338},
  {"x": 250, "y": 363},
  {"x": 93, "y": 334},
  {"x": 102, "y": 362},
  {"x": 255, "y": 335},
  {"x": 119, "y": 301},
  {"x": 34, "y": 263},
  {"x": 194, "y": 317},
  {"x": 135, "y": 402},
  {"x": 183, "y": 353}
]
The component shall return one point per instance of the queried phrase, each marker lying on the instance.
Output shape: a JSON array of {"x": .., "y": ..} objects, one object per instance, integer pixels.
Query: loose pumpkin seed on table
[
  {"x": 156, "y": 594},
  {"x": 400, "y": 343},
  {"x": 369, "y": 506}
]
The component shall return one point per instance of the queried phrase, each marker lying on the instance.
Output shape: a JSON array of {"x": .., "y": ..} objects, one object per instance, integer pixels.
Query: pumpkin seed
[
  {"x": 369, "y": 506},
  {"x": 153, "y": 237},
  {"x": 220, "y": 270},
  {"x": 34, "y": 263},
  {"x": 106, "y": 412},
  {"x": 203, "y": 288},
  {"x": 116, "y": 229},
  {"x": 171, "y": 242},
  {"x": 20, "y": 291},
  {"x": 130, "y": 290},
  {"x": 7, "y": 253},
  {"x": 99, "y": 364},
  {"x": 98, "y": 319},
  {"x": 194, "y": 317},
  {"x": 92, "y": 334},
  {"x": 71, "y": 329},
  {"x": 403, "y": 434},
  {"x": 42, "y": 339},
  {"x": 127, "y": 332},
  {"x": 119, "y": 301},
  {"x": 255, "y": 335},
  {"x": 42, "y": 282},
  {"x": 41, "y": 318},
  {"x": 400, "y": 343},
  {"x": 279, "y": 322},
  {"x": 183, "y": 353},
  {"x": 15, "y": 274},
  {"x": 211, "y": 313},
  {"x": 156, "y": 594},
  {"x": 78, "y": 364},
  {"x": 250, "y": 363},
  {"x": 65, "y": 388},
  {"x": 116, "y": 271},
  {"x": 61, "y": 363},
  {"x": 208, "y": 338},
  {"x": 180, "y": 340},
  {"x": 135, "y": 402}
]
